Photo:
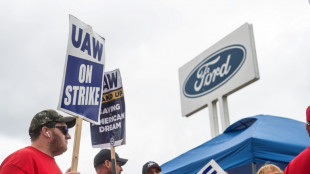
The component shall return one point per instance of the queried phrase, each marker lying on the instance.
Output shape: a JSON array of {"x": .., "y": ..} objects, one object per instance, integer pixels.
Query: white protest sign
[
  {"x": 211, "y": 168},
  {"x": 81, "y": 89},
  {"x": 112, "y": 128}
]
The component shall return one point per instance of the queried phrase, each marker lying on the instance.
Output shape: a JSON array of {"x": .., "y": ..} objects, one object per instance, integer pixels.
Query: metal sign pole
[
  {"x": 224, "y": 114},
  {"x": 213, "y": 119}
]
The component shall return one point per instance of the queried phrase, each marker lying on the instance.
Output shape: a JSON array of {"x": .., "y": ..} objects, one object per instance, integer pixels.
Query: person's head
[
  {"x": 103, "y": 164},
  {"x": 50, "y": 130},
  {"x": 269, "y": 169},
  {"x": 151, "y": 168}
]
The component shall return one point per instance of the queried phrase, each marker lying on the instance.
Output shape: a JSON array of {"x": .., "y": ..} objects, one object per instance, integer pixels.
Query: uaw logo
[
  {"x": 112, "y": 141},
  {"x": 214, "y": 71}
]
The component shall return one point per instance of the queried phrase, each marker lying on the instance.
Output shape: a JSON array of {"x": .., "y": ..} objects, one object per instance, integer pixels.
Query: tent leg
[{"x": 253, "y": 168}]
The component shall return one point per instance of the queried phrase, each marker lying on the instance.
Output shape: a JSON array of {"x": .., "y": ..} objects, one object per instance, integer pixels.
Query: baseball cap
[
  {"x": 48, "y": 116},
  {"x": 105, "y": 154},
  {"x": 149, "y": 165},
  {"x": 308, "y": 114}
]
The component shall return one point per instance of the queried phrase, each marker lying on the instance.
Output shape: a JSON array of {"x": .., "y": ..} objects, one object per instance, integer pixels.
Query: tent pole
[{"x": 253, "y": 167}]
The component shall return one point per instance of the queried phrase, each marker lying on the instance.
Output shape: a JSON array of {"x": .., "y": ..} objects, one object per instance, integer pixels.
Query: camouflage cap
[{"x": 48, "y": 116}]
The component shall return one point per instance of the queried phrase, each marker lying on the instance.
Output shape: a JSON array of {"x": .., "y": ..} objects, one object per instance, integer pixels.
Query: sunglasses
[{"x": 64, "y": 129}]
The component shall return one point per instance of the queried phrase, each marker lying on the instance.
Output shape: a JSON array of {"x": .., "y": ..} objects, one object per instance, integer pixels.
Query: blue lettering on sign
[
  {"x": 209, "y": 169},
  {"x": 86, "y": 43},
  {"x": 214, "y": 71},
  {"x": 110, "y": 81}
]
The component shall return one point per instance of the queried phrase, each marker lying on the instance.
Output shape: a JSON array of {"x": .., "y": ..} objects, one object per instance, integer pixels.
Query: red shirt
[
  {"x": 300, "y": 164},
  {"x": 29, "y": 160}
]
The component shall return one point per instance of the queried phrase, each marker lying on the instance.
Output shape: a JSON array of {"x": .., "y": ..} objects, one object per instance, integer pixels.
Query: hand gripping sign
[
  {"x": 81, "y": 88},
  {"x": 111, "y": 131},
  {"x": 83, "y": 73},
  {"x": 211, "y": 168}
]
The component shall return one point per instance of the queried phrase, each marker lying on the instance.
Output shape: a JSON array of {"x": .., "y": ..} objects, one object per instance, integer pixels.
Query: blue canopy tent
[{"x": 245, "y": 146}]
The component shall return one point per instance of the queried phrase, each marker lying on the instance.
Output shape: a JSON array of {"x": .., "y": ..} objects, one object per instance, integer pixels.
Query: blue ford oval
[{"x": 214, "y": 71}]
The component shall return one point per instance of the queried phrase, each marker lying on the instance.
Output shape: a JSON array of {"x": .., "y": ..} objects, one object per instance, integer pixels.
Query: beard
[{"x": 57, "y": 145}]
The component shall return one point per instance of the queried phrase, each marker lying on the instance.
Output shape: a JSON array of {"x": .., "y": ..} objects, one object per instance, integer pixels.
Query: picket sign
[{"x": 81, "y": 89}]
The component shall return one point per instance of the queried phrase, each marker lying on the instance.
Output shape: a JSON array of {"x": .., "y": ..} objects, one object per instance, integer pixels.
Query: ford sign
[{"x": 214, "y": 71}]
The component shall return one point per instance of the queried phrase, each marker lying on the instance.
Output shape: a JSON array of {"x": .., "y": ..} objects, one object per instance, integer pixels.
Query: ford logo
[{"x": 214, "y": 71}]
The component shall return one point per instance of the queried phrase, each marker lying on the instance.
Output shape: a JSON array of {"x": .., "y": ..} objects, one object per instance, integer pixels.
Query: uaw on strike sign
[
  {"x": 111, "y": 131},
  {"x": 83, "y": 73}
]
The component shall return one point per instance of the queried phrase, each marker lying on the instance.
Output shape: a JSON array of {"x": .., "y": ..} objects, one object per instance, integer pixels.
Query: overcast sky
[{"x": 149, "y": 40}]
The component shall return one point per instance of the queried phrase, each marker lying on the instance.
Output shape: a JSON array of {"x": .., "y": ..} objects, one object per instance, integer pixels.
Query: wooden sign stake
[
  {"x": 76, "y": 145},
  {"x": 113, "y": 160}
]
